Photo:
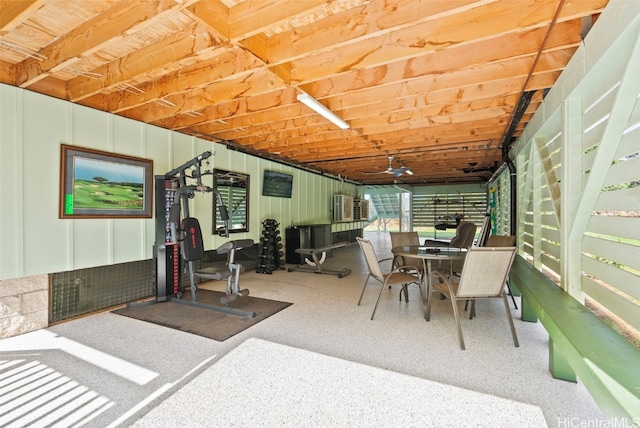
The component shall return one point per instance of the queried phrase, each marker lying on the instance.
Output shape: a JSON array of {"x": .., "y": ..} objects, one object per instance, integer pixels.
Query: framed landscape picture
[{"x": 95, "y": 184}]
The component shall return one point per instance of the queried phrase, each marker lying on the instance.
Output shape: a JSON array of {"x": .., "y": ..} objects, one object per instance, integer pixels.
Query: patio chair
[
  {"x": 503, "y": 241},
  {"x": 399, "y": 275},
  {"x": 465, "y": 233},
  {"x": 483, "y": 276},
  {"x": 409, "y": 239}
]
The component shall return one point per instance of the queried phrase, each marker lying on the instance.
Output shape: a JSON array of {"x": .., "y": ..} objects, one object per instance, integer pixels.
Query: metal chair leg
[
  {"x": 404, "y": 290},
  {"x": 363, "y": 287},
  {"x": 454, "y": 303},
  {"x": 510, "y": 318},
  {"x": 513, "y": 299}
]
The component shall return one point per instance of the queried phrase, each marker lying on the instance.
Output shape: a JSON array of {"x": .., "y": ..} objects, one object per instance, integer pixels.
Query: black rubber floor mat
[{"x": 202, "y": 321}]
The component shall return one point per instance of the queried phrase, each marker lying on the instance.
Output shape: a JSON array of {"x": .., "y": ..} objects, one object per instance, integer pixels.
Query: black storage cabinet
[{"x": 310, "y": 236}]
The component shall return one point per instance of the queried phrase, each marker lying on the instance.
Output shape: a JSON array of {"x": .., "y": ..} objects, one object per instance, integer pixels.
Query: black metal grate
[{"x": 82, "y": 291}]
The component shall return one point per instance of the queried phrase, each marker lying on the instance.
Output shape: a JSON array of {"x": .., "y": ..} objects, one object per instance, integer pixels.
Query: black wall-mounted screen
[{"x": 277, "y": 184}]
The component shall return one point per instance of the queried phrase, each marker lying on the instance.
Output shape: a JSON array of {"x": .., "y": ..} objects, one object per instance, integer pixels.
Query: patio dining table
[{"x": 428, "y": 255}]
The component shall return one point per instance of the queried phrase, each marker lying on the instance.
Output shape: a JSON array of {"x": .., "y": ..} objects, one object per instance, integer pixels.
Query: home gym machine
[{"x": 180, "y": 241}]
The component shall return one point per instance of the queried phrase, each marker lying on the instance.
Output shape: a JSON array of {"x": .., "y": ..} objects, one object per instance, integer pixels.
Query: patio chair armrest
[
  {"x": 405, "y": 268},
  {"x": 446, "y": 277},
  {"x": 388, "y": 259}
]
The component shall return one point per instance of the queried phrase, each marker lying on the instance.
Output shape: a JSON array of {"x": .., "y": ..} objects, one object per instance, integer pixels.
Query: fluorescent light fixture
[{"x": 314, "y": 105}]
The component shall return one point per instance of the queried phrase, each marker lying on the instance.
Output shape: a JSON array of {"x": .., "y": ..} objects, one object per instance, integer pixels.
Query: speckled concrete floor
[
  {"x": 277, "y": 385},
  {"x": 122, "y": 369}
]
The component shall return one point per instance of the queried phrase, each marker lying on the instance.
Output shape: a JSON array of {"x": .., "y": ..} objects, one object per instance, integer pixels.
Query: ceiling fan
[{"x": 396, "y": 172}]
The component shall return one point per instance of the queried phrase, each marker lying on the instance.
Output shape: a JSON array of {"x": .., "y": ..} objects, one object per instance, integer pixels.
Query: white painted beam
[{"x": 571, "y": 189}]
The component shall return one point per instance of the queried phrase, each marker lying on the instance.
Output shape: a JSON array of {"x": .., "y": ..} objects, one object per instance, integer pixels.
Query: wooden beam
[
  {"x": 189, "y": 43},
  {"x": 483, "y": 23},
  {"x": 249, "y": 18},
  {"x": 232, "y": 109},
  {"x": 212, "y": 13},
  {"x": 254, "y": 82},
  {"x": 479, "y": 53},
  {"x": 227, "y": 65},
  {"x": 84, "y": 40},
  {"x": 14, "y": 12},
  {"x": 7, "y": 73},
  {"x": 371, "y": 20}
]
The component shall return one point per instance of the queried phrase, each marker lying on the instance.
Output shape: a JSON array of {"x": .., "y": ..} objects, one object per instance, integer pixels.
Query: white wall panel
[
  {"x": 130, "y": 240},
  {"x": 253, "y": 166},
  {"x": 625, "y": 171},
  {"x": 127, "y": 137},
  {"x": 551, "y": 263},
  {"x": 612, "y": 275},
  {"x": 628, "y": 227},
  {"x": 619, "y": 200},
  {"x": 302, "y": 213},
  {"x": 550, "y": 234},
  {"x": 623, "y": 254},
  {"x": 92, "y": 243},
  {"x": 158, "y": 146},
  {"x": 45, "y": 237},
  {"x": 91, "y": 128},
  {"x": 630, "y": 142},
  {"x": 11, "y": 188},
  {"x": 613, "y": 301}
]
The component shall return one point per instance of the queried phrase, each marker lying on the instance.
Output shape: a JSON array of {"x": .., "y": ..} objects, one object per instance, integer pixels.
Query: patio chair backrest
[
  {"x": 404, "y": 239},
  {"x": 401, "y": 239},
  {"x": 370, "y": 257},
  {"x": 465, "y": 232},
  {"x": 485, "y": 271},
  {"x": 501, "y": 241}
]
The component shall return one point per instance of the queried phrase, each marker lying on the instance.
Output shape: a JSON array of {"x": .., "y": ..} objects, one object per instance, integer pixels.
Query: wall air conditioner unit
[
  {"x": 360, "y": 209},
  {"x": 342, "y": 208}
]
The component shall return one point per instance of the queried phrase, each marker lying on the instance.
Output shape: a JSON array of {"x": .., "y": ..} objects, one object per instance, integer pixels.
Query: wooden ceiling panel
[{"x": 434, "y": 83}]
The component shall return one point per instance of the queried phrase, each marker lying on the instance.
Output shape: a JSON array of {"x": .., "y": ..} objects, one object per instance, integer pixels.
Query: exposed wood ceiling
[{"x": 434, "y": 83}]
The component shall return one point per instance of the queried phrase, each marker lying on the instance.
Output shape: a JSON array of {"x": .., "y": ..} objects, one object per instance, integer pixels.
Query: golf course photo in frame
[{"x": 95, "y": 184}]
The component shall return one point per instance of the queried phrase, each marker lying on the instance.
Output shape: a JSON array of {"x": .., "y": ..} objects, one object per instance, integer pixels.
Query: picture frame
[{"x": 97, "y": 184}]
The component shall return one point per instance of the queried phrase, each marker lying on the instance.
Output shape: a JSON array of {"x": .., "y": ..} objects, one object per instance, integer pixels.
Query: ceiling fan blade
[
  {"x": 396, "y": 172},
  {"x": 405, "y": 170}
]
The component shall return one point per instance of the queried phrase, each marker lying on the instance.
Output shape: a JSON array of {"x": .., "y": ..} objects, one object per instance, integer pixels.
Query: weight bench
[{"x": 317, "y": 256}]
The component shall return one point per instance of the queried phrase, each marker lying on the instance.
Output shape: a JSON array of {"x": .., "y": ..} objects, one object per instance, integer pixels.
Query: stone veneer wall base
[{"x": 24, "y": 305}]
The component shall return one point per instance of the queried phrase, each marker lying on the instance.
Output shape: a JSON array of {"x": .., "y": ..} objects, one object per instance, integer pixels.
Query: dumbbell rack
[{"x": 272, "y": 255}]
